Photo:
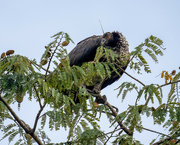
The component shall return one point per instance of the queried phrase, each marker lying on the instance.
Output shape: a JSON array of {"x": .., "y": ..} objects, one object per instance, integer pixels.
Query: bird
[{"x": 85, "y": 51}]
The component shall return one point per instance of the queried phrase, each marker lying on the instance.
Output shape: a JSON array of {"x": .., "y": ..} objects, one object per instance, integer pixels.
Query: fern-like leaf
[
  {"x": 126, "y": 87},
  {"x": 172, "y": 90},
  {"x": 151, "y": 54}
]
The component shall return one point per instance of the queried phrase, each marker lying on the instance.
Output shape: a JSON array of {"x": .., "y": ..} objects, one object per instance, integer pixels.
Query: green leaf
[
  {"x": 74, "y": 76},
  {"x": 67, "y": 37},
  {"x": 108, "y": 71},
  {"x": 43, "y": 120},
  {"x": 57, "y": 34},
  {"x": 67, "y": 104},
  {"x": 13, "y": 135},
  {"x": 100, "y": 70},
  {"x": 151, "y": 54},
  {"x": 140, "y": 93},
  {"x": 178, "y": 114}
]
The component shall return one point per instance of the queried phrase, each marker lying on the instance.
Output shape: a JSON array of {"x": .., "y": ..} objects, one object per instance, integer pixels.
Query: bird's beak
[{"x": 103, "y": 41}]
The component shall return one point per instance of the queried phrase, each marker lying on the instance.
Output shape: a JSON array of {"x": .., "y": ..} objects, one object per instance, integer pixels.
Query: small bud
[
  {"x": 173, "y": 72},
  {"x": 65, "y": 43},
  {"x": 3, "y": 55},
  {"x": 19, "y": 98},
  {"x": 153, "y": 109},
  {"x": 44, "y": 61},
  {"x": 9, "y": 52}
]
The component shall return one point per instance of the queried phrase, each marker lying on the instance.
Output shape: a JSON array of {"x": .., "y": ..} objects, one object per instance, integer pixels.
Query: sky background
[{"x": 26, "y": 27}]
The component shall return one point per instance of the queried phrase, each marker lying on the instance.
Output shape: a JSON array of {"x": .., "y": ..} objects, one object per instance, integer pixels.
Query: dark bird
[{"x": 85, "y": 51}]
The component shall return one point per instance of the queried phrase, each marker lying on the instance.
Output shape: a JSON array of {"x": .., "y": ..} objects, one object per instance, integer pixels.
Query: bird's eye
[{"x": 108, "y": 37}]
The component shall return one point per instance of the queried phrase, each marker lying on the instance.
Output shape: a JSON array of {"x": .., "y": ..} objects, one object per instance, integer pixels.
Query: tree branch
[
  {"x": 39, "y": 100},
  {"x": 132, "y": 77},
  {"x": 37, "y": 117},
  {"x": 21, "y": 123},
  {"x": 168, "y": 84},
  {"x": 114, "y": 113},
  {"x": 41, "y": 67},
  {"x": 161, "y": 141},
  {"x": 119, "y": 122},
  {"x": 154, "y": 131}
]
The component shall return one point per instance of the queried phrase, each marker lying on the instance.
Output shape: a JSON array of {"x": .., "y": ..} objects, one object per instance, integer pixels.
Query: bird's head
[{"x": 110, "y": 39}]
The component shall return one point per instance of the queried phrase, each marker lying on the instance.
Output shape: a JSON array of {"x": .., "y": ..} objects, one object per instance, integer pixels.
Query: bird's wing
[{"x": 85, "y": 50}]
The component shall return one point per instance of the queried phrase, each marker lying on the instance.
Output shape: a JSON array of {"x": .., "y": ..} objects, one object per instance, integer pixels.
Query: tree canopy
[{"x": 55, "y": 89}]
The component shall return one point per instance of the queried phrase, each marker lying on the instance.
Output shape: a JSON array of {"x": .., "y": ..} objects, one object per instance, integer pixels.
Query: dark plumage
[{"x": 86, "y": 49}]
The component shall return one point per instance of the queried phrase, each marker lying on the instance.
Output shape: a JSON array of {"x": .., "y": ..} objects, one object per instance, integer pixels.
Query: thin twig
[
  {"x": 37, "y": 117},
  {"x": 112, "y": 131},
  {"x": 78, "y": 120},
  {"x": 161, "y": 141},
  {"x": 168, "y": 84},
  {"x": 132, "y": 77},
  {"x": 154, "y": 131},
  {"x": 53, "y": 56},
  {"x": 115, "y": 129},
  {"x": 41, "y": 67},
  {"x": 39, "y": 100}
]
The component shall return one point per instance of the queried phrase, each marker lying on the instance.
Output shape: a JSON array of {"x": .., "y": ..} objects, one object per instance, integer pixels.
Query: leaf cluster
[{"x": 152, "y": 46}]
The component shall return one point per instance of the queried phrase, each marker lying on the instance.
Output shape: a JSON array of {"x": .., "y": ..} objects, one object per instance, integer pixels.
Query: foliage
[
  {"x": 70, "y": 106},
  {"x": 152, "y": 46}
]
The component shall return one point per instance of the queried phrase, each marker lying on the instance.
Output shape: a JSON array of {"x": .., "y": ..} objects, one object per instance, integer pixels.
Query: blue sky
[{"x": 26, "y": 27}]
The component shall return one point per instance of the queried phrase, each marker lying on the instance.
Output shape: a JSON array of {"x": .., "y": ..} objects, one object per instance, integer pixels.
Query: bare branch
[
  {"x": 132, "y": 77},
  {"x": 168, "y": 84},
  {"x": 37, "y": 117},
  {"x": 154, "y": 131},
  {"x": 161, "y": 141}
]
